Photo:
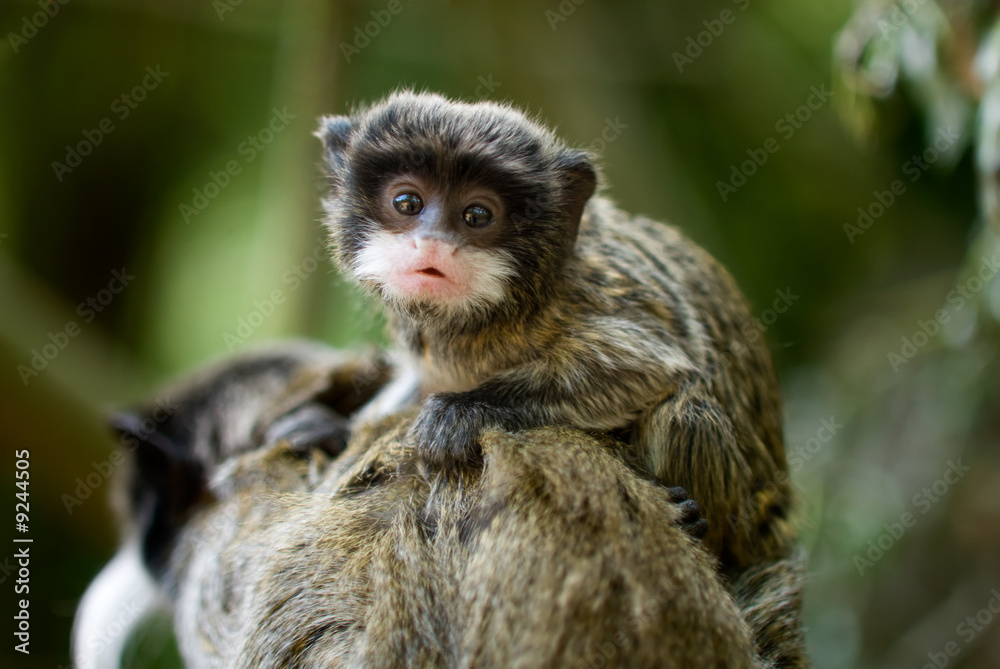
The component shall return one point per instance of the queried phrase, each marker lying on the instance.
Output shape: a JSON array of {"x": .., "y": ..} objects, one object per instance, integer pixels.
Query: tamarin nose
[{"x": 431, "y": 246}]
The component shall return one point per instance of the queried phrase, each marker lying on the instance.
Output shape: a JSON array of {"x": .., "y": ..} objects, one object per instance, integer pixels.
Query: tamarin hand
[{"x": 447, "y": 430}]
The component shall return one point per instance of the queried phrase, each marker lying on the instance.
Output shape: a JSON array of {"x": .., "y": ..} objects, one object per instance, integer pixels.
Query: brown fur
[
  {"x": 377, "y": 564},
  {"x": 555, "y": 553}
]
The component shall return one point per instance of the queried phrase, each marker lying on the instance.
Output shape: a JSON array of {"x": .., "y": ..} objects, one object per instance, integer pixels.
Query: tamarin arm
[{"x": 578, "y": 388}]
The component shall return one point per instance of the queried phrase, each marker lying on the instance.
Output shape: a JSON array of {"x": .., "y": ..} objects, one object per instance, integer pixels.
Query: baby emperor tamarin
[{"x": 522, "y": 299}]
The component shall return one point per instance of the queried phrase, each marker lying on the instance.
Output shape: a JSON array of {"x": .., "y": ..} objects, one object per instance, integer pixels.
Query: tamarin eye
[
  {"x": 408, "y": 204},
  {"x": 477, "y": 216}
]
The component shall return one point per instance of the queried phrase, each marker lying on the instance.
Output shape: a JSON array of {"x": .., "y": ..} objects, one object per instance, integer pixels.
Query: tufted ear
[
  {"x": 335, "y": 133},
  {"x": 579, "y": 181},
  {"x": 165, "y": 482}
]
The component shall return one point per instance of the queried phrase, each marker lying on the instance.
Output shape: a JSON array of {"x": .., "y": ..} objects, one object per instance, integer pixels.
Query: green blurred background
[{"x": 673, "y": 95}]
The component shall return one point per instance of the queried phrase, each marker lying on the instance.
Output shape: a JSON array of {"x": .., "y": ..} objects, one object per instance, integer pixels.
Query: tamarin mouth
[{"x": 431, "y": 271}]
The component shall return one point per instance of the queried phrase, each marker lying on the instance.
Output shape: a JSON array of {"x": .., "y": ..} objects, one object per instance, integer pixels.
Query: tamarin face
[
  {"x": 452, "y": 211},
  {"x": 437, "y": 245}
]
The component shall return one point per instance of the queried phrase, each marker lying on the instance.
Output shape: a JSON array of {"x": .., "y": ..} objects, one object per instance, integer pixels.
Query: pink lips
[
  {"x": 427, "y": 283},
  {"x": 429, "y": 270}
]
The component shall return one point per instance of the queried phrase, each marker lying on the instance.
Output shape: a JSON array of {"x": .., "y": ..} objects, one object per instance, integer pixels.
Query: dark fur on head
[
  {"x": 543, "y": 184},
  {"x": 178, "y": 441}
]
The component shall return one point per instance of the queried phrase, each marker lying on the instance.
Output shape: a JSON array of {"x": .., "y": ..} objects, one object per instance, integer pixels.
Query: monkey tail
[
  {"x": 770, "y": 598},
  {"x": 121, "y": 596}
]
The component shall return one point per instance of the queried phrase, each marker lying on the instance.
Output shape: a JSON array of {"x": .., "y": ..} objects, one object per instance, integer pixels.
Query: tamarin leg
[
  {"x": 689, "y": 441},
  {"x": 770, "y": 597}
]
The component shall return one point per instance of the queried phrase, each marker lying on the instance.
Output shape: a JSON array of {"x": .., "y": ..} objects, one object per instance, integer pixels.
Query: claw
[
  {"x": 689, "y": 513},
  {"x": 677, "y": 494}
]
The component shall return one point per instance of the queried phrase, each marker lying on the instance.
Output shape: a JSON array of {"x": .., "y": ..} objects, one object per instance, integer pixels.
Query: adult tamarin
[
  {"x": 273, "y": 547},
  {"x": 525, "y": 300}
]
